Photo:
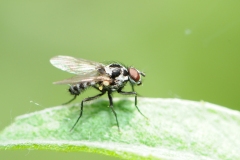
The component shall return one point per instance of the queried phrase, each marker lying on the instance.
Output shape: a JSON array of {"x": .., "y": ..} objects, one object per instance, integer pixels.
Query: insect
[{"x": 104, "y": 78}]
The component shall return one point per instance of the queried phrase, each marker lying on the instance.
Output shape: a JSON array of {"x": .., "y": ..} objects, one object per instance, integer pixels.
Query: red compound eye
[{"x": 134, "y": 74}]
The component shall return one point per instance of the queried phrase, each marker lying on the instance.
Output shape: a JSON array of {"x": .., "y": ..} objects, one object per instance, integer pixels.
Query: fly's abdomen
[{"x": 80, "y": 87}]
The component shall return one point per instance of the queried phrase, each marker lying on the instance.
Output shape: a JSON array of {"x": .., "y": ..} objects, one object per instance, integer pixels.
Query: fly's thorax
[
  {"x": 118, "y": 75},
  {"x": 114, "y": 86},
  {"x": 117, "y": 72}
]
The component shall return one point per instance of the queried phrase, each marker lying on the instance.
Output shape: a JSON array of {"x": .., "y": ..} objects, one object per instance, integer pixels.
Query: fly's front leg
[
  {"x": 132, "y": 93},
  {"x": 81, "y": 108}
]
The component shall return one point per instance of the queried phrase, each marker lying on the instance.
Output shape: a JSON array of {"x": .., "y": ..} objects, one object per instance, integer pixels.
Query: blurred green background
[{"x": 188, "y": 50}]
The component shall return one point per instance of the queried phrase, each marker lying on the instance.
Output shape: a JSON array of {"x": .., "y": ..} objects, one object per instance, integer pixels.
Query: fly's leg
[
  {"x": 75, "y": 96},
  {"x": 111, "y": 106},
  {"x": 81, "y": 108},
  {"x": 132, "y": 93}
]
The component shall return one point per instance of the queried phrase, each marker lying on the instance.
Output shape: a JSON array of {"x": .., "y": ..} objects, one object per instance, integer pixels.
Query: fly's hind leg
[
  {"x": 75, "y": 96},
  {"x": 81, "y": 107},
  {"x": 74, "y": 91}
]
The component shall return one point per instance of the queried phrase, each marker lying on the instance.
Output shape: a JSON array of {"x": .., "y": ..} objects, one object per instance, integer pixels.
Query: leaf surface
[{"x": 175, "y": 129}]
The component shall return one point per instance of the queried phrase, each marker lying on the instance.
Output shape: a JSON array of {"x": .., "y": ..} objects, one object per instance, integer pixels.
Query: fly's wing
[
  {"x": 82, "y": 79},
  {"x": 76, "y": 65}
]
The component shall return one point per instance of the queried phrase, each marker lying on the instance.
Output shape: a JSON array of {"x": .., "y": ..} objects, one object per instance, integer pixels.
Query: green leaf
[{"x": 176, "y": 129}]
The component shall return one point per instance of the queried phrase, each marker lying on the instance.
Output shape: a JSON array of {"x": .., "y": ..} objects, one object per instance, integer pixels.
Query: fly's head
[{"x": 135, "y": 76}]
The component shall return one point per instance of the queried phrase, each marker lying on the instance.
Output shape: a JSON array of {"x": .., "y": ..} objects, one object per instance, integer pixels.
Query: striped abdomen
[{"x": 77, "y": 89}]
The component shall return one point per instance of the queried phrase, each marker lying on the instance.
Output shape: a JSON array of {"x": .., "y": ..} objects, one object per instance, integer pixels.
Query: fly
[{"x": 104, "y": 78}]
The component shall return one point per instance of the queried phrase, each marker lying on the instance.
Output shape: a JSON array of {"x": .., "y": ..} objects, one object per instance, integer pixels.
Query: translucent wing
[
  {"x": 85, "y": 78},
  {"x": 76, "y": 65}
]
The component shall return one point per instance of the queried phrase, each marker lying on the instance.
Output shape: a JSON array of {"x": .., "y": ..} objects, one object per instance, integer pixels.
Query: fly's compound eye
[{"x": 134, "y": 76}]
